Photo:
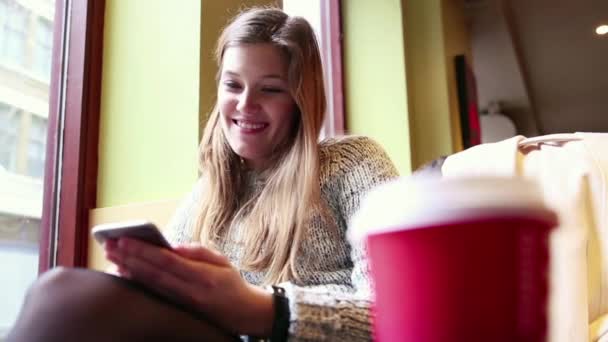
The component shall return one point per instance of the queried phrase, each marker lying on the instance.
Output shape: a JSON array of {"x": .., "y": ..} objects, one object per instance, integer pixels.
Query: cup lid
[{"x": 414, "y": 202}]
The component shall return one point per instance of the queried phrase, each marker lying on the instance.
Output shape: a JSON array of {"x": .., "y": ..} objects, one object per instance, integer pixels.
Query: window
[
  {"x": 19, "y": 260},
  {"x": 35, "y": 237},
  {"x": 9, "y": 131},
  {"x": 23, "y": 134},
  {"x": 42, "y": 54},
  {"x": 36, "y": 146},
  {"x": 22, "y": 142},
  {"x": 13, "y": 32}
]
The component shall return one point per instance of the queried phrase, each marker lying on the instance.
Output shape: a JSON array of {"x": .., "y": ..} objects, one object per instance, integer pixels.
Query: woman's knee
[
  {"x": 63, "y": 287},
  {"x": 50, "y": 284},
  {"x": 54, "y": 279},
  {"x": 75, "y": 303},
  {"x": 63, "y": 304},
  {"x": 55, "y": 283}
]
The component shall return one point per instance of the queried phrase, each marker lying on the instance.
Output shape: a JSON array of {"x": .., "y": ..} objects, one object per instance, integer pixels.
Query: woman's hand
[{"x": 199, "y": 278}]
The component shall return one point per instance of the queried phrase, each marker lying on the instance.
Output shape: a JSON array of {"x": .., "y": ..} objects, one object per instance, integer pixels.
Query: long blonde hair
[{"x": 275, "y": 219}]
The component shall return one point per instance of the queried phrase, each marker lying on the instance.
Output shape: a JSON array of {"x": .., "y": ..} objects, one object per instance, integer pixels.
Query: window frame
[
  {"x": 331, "y": 51},
  {"x": 70, "y": 179}
]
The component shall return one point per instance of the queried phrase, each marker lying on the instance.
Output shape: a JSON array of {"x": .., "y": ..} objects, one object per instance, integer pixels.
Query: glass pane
[
  {"x": 36, "y": 147},
  {"x": 25, "y": 59},
  {"x": 14, "y": 32},
  {"x": 42, "y": 53},
  {"x": 9, "y": 129}
]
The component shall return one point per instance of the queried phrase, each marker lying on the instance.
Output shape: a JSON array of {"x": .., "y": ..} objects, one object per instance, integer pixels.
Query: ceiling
[{"x": 551, "y": 63}]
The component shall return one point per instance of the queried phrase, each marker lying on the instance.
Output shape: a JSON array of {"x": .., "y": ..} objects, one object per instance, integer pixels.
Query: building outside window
[
  {"x": 9, "y": 132},
  {"x": 13, "y": 33},
  {"x": 36, "y": 147},
  {"x": 43, "y": 50},
  {"x": 26, "y": 39},
  {"x": 22, "y": 142}
]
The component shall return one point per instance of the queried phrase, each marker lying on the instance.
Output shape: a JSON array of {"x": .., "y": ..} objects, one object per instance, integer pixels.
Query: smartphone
[{"x": 141, "y": 230}]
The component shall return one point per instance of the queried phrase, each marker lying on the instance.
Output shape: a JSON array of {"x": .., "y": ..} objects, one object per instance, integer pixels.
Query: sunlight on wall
[
  {"x": 374, "y": 76},
  {"x": 149, "y": 107}
]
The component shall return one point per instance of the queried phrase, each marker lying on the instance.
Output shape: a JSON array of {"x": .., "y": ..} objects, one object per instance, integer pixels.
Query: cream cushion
[
  {"x": 572, "y": 170},
  {"x": 158, "y": 212}
]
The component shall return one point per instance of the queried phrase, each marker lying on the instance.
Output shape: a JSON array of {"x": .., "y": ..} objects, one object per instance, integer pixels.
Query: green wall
[
  {"x": 158, "y": 79},
  {"x": 399, "y": 78},
  {"x": 431, "y": 130},
  {"x": 434, "y": 33},
  {"x": 374, "y": 76},
  {"x": 158, "y": 85},
  {"x": 149, "y": 106},
  {"x": 457, "y": 42}
]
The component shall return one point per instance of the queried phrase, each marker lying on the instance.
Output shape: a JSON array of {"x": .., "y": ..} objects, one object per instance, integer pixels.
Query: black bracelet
[{"x": 280, "y": 324}]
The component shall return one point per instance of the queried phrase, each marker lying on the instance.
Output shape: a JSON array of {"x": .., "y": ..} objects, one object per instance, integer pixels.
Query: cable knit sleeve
[{"x": 341, "y": 311}]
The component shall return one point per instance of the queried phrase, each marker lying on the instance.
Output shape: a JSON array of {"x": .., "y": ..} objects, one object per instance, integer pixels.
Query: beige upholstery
[
  {"x": 157, "y": 212},
  {"x": 572, "y": 170}
]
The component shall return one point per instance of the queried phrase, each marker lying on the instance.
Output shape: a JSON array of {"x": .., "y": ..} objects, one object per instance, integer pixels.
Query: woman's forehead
[{"x": 264, "y": 60}]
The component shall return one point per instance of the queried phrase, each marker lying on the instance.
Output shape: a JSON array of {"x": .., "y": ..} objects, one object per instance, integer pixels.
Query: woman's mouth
[{"x": 250, "y": 127}]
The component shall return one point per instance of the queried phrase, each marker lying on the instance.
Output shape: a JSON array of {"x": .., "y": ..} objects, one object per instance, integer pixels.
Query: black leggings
[{"x": 82, "y": 305}]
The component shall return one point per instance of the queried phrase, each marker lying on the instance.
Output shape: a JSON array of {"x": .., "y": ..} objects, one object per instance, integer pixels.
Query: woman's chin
[{"x": 252, "y": 160}]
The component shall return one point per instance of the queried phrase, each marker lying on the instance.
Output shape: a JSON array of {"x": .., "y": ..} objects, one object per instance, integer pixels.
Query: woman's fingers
[
  {"x": 194, "y": 276},
  {"x": 157, "y": 259},
  {"x": 124, "y": 272},
  {"x": 135, "y": 265},
  {"x": 162, "y": 281},
  {"x": 118, "y": 268},
  {"x": 191, "y": 275},
  {"x": 200, "y": 253},
  {"x": 142, "y": 259}
]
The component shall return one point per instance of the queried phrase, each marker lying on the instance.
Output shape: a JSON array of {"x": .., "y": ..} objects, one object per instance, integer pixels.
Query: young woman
[{"x": 271, "y": 208}]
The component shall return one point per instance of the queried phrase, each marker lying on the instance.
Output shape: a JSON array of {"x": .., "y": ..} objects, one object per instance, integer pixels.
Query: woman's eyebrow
[
  {"x": 273, "y": 76},
  {"x": 231, "y": 73},
  {"x": 236, "y": 74}
]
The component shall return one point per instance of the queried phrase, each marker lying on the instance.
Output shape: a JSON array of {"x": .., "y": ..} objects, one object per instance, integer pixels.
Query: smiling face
[{"x": 257, "y": 112}]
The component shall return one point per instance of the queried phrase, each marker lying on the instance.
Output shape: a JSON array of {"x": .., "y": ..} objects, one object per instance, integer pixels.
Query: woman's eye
[
  {"x": 272, "y": 90},
  {"x": 232, "y": 85}
]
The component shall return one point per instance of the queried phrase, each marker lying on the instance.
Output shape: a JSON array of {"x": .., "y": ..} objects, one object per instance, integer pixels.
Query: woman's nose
[{"x": 248, "y": 102}]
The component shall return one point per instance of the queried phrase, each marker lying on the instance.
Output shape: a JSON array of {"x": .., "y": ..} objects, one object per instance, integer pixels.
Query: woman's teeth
[{"x": 249, "y": 125}]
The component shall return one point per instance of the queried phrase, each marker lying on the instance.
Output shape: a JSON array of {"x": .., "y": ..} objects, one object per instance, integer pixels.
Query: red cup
[{"x": 457, "y": 260}]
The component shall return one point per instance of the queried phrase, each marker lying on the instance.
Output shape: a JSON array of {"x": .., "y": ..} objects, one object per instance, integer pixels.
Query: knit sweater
[{"x": 331, "y": 300}]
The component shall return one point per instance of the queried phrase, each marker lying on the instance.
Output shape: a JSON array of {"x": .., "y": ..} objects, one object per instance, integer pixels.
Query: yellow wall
[
  {"x": 435, "y": 32},
  {"x": 158, "y": 85},
  {"x": 374, "y": 76},
  {"x": 149, "y": 105},
  {"x": 457, "y": 42},
  {"x": 427, "y": 79},
  {"x": 399, "y": 75}
]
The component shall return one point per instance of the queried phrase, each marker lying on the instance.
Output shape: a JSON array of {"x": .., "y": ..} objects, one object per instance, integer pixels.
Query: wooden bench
[{"x": 158, "y": 212}]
